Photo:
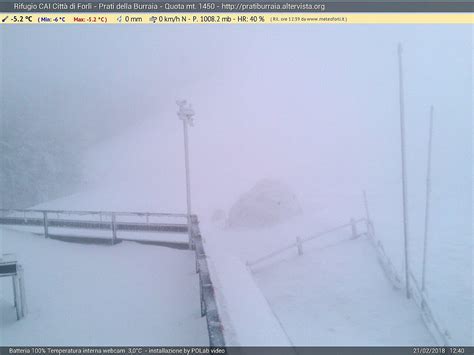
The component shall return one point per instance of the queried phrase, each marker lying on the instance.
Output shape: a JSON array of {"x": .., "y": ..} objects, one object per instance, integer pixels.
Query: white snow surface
[
  {"x": 268, "y": 203},
  {"x": 326, "y": 167},
  {"x": 126, "y": 294},
  {"x": 339, "y": 295},
  {"x": 336, "y": 293},
  {"x": 248, "y": 317}
]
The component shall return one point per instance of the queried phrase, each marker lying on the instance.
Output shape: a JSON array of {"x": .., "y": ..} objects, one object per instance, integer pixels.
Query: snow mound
[{"x": 268, "y": 203}]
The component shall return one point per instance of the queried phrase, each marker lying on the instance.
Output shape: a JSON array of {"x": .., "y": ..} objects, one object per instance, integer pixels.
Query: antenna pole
[
  {"x": 427, "y": 205},
  {"x": 404, "y": 177}
]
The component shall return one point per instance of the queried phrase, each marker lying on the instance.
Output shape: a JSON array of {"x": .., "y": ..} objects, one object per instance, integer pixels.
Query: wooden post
[
  {"x": 353, "y": 229},
  {"x": 299, "y": 245},
  {"x": 114, "y": 229},
  {"x": 45, "y": 224},
  {"x": 368, "y": 221}
]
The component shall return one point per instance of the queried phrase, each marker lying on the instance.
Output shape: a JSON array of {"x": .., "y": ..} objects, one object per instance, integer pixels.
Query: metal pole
[
  {"x": 404, "y": 178},
  {"x": 45, "y": 224},
  {"x": 353, "y": 228},
  {"x": 427, "y": 201},
  {"x": 114, "y": 229},
  {"x": 188, "y": 187},
  {"x": 368, "y": 221},
  {"x": 24, "y": 307},
  {"x": 16, "y": 289},
  {"x": 299, "y": 245}
]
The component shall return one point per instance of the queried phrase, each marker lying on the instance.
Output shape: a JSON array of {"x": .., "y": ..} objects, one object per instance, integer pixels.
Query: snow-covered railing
[
  {"x": 96, "y": 220},
  {"x": 298, "y": 244},
  {"x": 5, "y": 211},
  {"x": 420, "y": 297},
  {"x": 384, "y": 261},
  {"x": 206, "y": 289},
  {"x": 9, "y": 267}
]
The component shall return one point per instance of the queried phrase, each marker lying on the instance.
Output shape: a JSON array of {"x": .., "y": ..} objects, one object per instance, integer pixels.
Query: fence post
[
  {"x": 353, "y": 228},
  {"x": 45, "y": 224},
  {"x": 197, "y": 260},
  {"x": 114, "y": 229},
  {"x": 299, "y": 245},
  {"x": 368, "y": 221},
  {"x": 201, "y": 297}
]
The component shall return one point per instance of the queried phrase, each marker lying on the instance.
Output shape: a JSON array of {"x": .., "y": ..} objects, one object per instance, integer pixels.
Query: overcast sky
[{"x": 302, "y": 103}]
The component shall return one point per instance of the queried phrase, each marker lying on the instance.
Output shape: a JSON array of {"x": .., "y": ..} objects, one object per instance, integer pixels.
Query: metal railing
[
  {"x": 206, "y": 287},
  {"x": 95, "y": 220},
  {"x": 206, "y": 290},
  {"x": 420, "y": 297},
  {"x": 298, "y": 244}
]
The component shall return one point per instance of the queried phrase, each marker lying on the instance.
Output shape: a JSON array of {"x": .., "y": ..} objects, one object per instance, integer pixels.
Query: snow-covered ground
[
  {"x": 280, "y": 297},
  {"x": 340, "y": 295},
  {"x": 328, "y": 133},
  {"x": 291, "y": 300},
  {"x": 335, "y": 294},
  {"x": 126, "y": 294}
]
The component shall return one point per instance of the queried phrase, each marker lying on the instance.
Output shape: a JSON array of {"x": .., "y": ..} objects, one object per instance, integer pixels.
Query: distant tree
[{"x": 34, "y": 165}]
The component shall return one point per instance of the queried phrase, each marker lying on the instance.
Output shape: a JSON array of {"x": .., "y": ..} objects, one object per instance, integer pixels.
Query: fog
[
  {"x": 92, "y": 108},
  {"x": 315, "y": 105}
]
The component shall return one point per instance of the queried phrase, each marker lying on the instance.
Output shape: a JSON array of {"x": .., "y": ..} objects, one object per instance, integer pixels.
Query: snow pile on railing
[{"x": 246, "y": 315}]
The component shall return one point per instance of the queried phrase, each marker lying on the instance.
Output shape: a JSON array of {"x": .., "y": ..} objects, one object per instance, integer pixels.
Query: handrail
[
  {"x": 332, "y": 230},
  {"x": 421, "y": 301},
  {"x": 140, "y": 214},
  {"x": 420, "y": 297},
  {"x": 71, "y": 219},
  {"x": 299, "y": 242},
  {"x": 209, "y": 307}
]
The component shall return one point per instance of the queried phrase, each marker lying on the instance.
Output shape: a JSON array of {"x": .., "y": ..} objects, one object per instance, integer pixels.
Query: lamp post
[{"x": 185, "y": 114}]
